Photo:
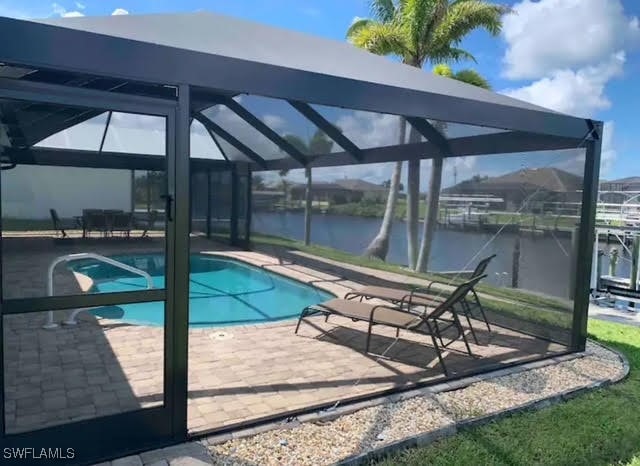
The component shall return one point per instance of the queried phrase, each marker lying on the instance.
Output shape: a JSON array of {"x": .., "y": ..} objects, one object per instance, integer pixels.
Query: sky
[{"x": 575, "y": 56}]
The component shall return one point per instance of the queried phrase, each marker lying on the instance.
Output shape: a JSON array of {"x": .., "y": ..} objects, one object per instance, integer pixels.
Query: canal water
[{"x": 544, "y": 260}]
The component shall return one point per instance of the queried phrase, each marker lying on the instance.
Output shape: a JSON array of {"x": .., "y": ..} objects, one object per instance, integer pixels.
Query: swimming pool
[{"x": 222, "y": 291}]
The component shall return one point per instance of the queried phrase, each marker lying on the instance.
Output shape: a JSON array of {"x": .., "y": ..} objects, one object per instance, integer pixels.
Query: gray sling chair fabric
[
  {"x": 426, "y": 322},
  {"x": 427, "y": 296}
]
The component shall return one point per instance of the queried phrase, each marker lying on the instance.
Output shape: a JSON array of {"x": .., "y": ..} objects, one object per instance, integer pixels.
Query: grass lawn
[
  {"x": 599, "y": 428},
  {"x": 529, "y": 220},
  {"x": 532, "y": 307},
  {"x": 523, "y": 297}
]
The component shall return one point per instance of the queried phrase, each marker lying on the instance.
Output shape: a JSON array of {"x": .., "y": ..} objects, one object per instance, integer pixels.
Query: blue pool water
[{"x": 222, "y": 291}]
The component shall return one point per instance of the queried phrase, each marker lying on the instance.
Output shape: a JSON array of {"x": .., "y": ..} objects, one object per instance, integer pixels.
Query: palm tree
[
  {"x": 285, "y": 186},
  {"x": 468, "y": 76},
  {"x": 418, "y": 31},
  {"x": 379, "y": 247},
  {"x": 319, "y": 144}
]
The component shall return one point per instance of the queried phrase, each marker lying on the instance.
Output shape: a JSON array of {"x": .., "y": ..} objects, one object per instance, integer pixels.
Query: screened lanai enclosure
[{"x": 152, "y": 287}]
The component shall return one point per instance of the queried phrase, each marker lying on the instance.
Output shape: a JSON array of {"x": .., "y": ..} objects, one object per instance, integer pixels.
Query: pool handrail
[{"x": 49, "y": 324}]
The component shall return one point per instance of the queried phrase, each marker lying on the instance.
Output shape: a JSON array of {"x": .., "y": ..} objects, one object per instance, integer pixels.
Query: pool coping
[{"x": 238, "y": 256}]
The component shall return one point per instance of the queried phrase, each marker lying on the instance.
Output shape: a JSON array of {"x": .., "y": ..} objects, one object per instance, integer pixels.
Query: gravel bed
[{"x": 320, "y": 443}]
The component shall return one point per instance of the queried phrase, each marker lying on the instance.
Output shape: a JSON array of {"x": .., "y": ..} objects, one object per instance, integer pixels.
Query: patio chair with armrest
[
  {"x": 479, "y": 270},
  {"x": 428, "y": 322},
  {"x": 94, "y": 220},
  {"x": 122, "y": 222},
  {"x": 59, "y": 225},
  {"x": 427, "y": 295}
]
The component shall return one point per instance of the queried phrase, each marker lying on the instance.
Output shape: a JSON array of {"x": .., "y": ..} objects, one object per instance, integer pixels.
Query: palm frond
[
  {"x": 454, "y": 2},
  {"x": 465, "y": 16},
  {"x": 442, "y": 69},
  {"x": 472, "y": 77},
  {"x": 417, "y": 19},
  {"x": 379, "y": 38},
  {"x": 357, "y": 25},
  {"x": 449, "y": 54},
  {"x": 383, "y": 10}
]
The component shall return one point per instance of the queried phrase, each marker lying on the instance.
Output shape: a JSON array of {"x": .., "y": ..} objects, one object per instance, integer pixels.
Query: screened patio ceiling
[{"x": 279, "y": 100}]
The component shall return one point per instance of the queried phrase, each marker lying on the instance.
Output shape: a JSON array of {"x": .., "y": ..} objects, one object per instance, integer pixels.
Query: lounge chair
[
  {"x": 121, "y": 222},
  {"x": 426, "y": 296},
  {"x": 427, "y": 322}
]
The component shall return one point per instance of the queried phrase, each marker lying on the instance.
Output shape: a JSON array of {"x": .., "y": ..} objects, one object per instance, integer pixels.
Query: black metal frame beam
[
  {"x": 215, "y": 141},
  {"x": 233, "y": 233},
  {"x": 130, "y": 431},
  {"x": 267, "y": 132},
  {"x": 90, "y": 159},
  {"x": 432, "y": 134},
  {"x": 329, "y": 128},
  {"x": 488, "y": 144},
  {"x": 497, "y": 143},
  {"x": 209, "y": 193},
  {"x": 177, "y": 358},
  {"x": 248, "y": 207},
  {"x": 250, "y": 153},
  {"x": 586, "y": 238},
  {"x": 48, "y": 303}
]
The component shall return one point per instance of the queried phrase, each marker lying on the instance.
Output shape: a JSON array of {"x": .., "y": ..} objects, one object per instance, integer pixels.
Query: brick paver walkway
[{"x": 103, "y": 366}]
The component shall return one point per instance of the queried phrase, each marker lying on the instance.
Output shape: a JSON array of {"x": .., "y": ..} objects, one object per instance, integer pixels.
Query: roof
[
  {"x": 215, "y": 34},
  {"x": 359, "y": 185},
  {"x": 627, "y": 180},
  {"x": 548, "y": 178},
  {"x": 193, "y": 49}
]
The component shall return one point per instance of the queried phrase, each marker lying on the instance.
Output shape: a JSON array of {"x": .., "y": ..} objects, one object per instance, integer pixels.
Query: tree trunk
[
  {"x": 307, "y": 208},
  {"x": 379, "y": 247},
  {"x": 431, "y": 215},
  {"x": 413, "y": 204}
]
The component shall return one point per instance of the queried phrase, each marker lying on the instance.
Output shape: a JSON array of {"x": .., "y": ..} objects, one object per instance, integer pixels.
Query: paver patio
[{"x": 236, "y": 374}]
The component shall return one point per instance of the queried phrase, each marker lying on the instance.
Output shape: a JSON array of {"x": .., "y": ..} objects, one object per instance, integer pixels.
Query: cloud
[
  {"x": 244, "y": 132},
  {"x": 80, "y": 6},
  {"x": 560, "y": 34},
  {"x": 376, "y": 173},
  {"x": 571, "y": 49},
  {"x": 131, "y": 120},
  {"x": 367, "y": 129},
  {"x": 62, "y": 11},
  {"x": 275, "y": 122},
  {"x": 119, "y": 12},
  {"x": 572, "y": 160},
  {"x": 580, "y": 92}
]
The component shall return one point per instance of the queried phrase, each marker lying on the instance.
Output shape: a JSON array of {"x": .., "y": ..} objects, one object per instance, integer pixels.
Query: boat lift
[{"x": 610, "y": 290}]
